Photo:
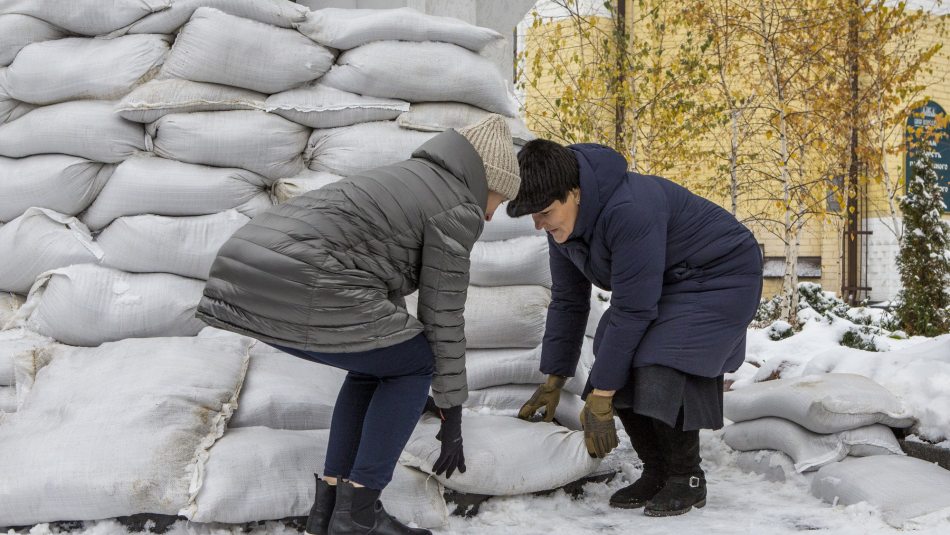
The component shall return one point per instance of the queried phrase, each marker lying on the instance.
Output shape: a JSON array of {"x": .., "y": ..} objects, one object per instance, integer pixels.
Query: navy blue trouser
[{"x": 379, "y": 405}]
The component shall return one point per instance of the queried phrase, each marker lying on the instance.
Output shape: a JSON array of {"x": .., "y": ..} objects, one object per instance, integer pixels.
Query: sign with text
[{"x": 925, "y": 117}]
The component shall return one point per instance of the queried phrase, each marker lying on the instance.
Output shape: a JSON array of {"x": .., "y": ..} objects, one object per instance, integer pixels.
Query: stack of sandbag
[{"x": 810, "y": 422}]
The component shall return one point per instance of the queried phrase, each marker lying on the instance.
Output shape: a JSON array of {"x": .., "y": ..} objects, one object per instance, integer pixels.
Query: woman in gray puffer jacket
[{"x": 323, "y": 277}]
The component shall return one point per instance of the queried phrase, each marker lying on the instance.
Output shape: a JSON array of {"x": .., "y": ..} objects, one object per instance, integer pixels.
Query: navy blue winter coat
[{"x": 685, "y": 277}]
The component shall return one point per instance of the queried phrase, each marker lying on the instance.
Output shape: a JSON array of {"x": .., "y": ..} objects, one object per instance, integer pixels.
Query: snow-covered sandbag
[
  {"x": 504, "y": 456},
  {"x": 501, "y": 317},
  {"x": 307, "y": 180},
  {"x": 518, "y": 261},
  {"x": 157, "y": 98},
  {"x": 86, "y": 17},
  {"x": 283, "y": 13},
  {"x": 223, "y": 49},
  {"x": 66, "y": 184},
  {"x": 440, "y": 116},
  {"x": 486, "y": 368},
  {"x": 774, "y": 465},
  {"x": 257, "y": 473},
  {"x": 17, "y": 31},
  {"x": 41, "y": 240},
  {"x": 183, "y": 246},
  {"x": 158, "y": 186},
  {"x": 352, "y": 149},
  {"x": 503, "y": 227},
  {"x": 507, "y": 400},
  {"x": 9, "y": 304},
  {"x": 902, "y": 488},
  {"x": 266, "y": 144},
  {"x": 119, "y": 429},
  {"x": 349, "y": 28},
  {"x": 84, "y": 68},
  {"x": 405, "y": 70},
  {"x": 286, "y": 392},
  {"x": 87, "y": 305},
  {"x": 85, "y": 128},
  {"x": 321, "y": 106},
  {"x": 826, "y": 403}
]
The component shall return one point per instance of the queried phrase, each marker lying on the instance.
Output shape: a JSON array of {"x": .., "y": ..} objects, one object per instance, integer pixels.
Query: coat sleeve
[
  {"x": 443, "y": 287},
  {"x": 567, "y": 315},
  {"x": 637, "y": 241}
]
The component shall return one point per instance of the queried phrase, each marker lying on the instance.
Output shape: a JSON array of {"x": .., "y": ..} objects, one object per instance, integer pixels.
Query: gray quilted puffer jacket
[{"x": 327, "y": 271}]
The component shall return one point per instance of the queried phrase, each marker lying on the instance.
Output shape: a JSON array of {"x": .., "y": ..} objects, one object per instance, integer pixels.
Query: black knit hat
[{"x": 548, "y": 173}]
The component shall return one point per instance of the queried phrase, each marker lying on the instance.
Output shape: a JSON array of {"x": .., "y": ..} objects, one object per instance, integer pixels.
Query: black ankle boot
[
  {"x": 359, "y": 512},
  {"x": 318, "y": 523},
  {"x": 678, "y": 496},
  {"x": 637, "y": 495}
]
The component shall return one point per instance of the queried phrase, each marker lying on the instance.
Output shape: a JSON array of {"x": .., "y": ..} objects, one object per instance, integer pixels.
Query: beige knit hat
[{"x": 492, "y": 141}]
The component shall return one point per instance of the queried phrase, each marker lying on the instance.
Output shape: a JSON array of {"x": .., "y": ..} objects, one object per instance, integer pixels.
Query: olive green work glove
[
  {"x": 547, "y": 396},
  {"x": 597, "y": 418}
]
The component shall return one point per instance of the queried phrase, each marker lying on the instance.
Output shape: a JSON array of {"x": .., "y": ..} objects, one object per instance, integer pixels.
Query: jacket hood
[
  {"x": 602, "y": 170},
  {"x": 456, "y": 155}
]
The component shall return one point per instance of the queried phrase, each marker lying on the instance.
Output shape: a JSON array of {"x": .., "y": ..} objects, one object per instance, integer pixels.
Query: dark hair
[{"x": 548, "y": 173}]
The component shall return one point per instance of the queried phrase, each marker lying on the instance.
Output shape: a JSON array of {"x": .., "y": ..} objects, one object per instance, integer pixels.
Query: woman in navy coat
[{"x": 685, "y": 279}]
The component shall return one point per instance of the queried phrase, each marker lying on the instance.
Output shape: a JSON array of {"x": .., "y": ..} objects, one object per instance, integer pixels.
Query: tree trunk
[{"x": 733, "y": 158}]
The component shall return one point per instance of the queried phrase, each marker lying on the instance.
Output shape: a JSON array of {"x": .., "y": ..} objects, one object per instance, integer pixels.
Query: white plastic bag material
[
  {"x": 902, "y": 488},
  {"x": 84, "y": 128},
  {"x": 485, "y": 368},
  {"x": 502, "y": 317},
  {"x": 9, "y": 304},
  {"x": 283, "y": 13},
  {"x": 158, "y": 186},
  {"x": 519, "y": 261},
  {"x": 157, "y": 98},
  {"x": 12, "y": 343},
  {"x": 258, "y": 473},
  {"x": 116, "y": 430},
  {"x": 507, "y": 400},
  {"x": 809, "y": 451},
  {"x": 41, "y": 240},
  {"x": 307, "y": 180},
  {"x": 266, "y": 144},
  {"x": 17, "y": 31},
  {"x": 286, "y": 392},
  {"x": 7, "y": 399},
  {"x": 65, "y": 184},
  {"x": 84, "y": 68},
  {"x": 353, "y": 149},
  {"x": 86, "y": 17},
  {"x": 440, "y": 116},
  {"x": 503, "y": 227},
  {"x": 10, "y": 108},
  {"x": 825, "y": 403},
  {"x": 27, "y": 364},
  {"x": 321, "y": 106},
  {"x": 223, "y": 49},
  {"x": 344, "y": 29},
  {"x": 87, "y": 305},
  {"x": 405, "y": 70},
  {"x": 544, "y": 456},
  {"x": 183, "y": 246},
  {"x": 773, "y": 465}
]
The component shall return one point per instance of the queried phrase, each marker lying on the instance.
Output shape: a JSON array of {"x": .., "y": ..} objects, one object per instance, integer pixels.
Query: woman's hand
[{"x": 546, "y": 397}]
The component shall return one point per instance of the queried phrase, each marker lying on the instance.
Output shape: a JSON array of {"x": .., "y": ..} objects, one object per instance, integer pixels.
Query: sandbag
[
  {"x": 503, "y": 227},
  {"x": 486, "y": 368},
  {"x": 774, "y": 465},
  {"x": 87, "y": 305},
  {"x": 266, "y": 144},
  {"x": 826, "y": 403},
  {"x": 406, "y": 70},
  {"x": 502, "y": 317},
  {"x": 41, "y": 240},
  {"x": 286, "y": 392},
  {"x": 353, "y": 149},
  {"x": 507, "y": 400},
  {"x": 183, "y": 246},
  {"x": 307, "y": 180},
  {"x": 902, "y": 488},
  {"x": 65, "y": 184},
  {"x": 157, "y": 98},
  {"x": 12, "y": 343},
  {"x": 283, "y": 13},
  {"x": 349, "y": 28},
  {"x": 257, "y": 473},
  {"x": 320, "y": 106},
  {"x": 119, "y": 429},
  {"x": 158, "y": 186},
  {"x": 86, "y": 17},
  {"x": 7, "y": 399},
  {"x": 17, "y": 31},
  {"x": 223, "y": 49},
  {"x": 84, "y": 68},
  {"x": 544, "y": 456},
  {"x": 519, "y": 261},
  {"x": 85, "y": 128},
  {"x": 10, "y": 108},
  {"x": 9, "y": 304},
  {"x": 440, "y": 116}
]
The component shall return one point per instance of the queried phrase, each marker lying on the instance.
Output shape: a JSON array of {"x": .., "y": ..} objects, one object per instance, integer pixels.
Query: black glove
[{"x": 450, "y": 434}]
